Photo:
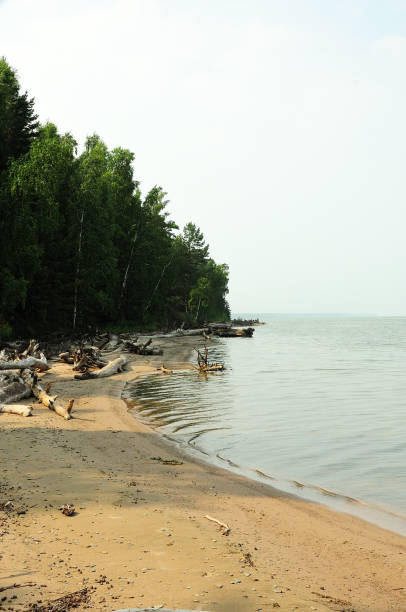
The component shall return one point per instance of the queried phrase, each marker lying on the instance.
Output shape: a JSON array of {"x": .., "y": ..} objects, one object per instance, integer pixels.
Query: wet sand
[{"x": 140, "y": 538}]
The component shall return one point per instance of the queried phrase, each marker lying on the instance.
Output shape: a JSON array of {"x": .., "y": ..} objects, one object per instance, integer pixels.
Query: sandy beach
[{"x": 140, "y": 536}]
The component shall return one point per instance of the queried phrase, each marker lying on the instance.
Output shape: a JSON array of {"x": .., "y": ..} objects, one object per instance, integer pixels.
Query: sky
[{"x": 277, "y": 126}]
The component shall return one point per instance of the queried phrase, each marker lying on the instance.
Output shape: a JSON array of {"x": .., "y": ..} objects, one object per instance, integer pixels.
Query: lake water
[{"x": 316, "y": 400}]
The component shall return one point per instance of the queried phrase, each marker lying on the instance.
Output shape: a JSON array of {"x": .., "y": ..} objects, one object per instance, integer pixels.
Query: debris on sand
[{"x": 67, "y": 509}]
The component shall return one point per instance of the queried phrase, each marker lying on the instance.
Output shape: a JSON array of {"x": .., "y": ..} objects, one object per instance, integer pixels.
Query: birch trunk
[{"x": 124, "y": 283}]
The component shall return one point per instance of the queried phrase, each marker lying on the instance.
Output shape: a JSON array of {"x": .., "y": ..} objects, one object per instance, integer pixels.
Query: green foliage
[
  {"x": 80, "y": 246},
  {"x": 18, "y": 123},
  {"x": 6, "y": 331}
]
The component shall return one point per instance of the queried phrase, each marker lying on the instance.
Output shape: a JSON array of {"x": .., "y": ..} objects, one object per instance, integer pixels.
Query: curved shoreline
[
  {"x": 339, "y": 502},
  {"x": 141, "y": 523}
]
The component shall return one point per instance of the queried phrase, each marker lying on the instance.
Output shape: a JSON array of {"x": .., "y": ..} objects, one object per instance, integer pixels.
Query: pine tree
[{"x": 18, "y": 122}]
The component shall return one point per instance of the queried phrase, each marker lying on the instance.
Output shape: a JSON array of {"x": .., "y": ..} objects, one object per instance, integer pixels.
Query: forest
[{"x": 81, "y": 247}]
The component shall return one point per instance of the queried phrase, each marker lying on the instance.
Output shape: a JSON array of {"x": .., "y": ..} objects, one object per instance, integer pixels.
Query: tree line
[{"x": 80, "y": 245}]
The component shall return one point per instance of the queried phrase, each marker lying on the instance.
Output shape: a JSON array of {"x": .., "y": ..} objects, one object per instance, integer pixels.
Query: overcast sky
[{"x": 277, "y": 126}]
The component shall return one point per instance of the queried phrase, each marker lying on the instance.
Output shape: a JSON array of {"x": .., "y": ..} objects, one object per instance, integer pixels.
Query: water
[{"x": 320, "y": 401}]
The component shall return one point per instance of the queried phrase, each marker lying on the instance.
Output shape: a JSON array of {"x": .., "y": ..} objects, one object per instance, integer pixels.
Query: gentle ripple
[{"x": 317, "y": 400}]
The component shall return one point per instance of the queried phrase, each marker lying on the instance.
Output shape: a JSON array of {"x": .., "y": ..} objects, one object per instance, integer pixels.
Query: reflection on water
[{"x": 320, "y": 401}]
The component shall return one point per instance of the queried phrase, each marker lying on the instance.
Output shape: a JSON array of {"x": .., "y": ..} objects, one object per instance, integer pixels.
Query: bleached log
[
  {"x": 31, "y": 348},
  {"x": 25, "y": 411},
  {"x": 14, "y": 390},
  {"x": 30, "y": 362},
  {"x": 43, "y": 396},
  {"x": 190, "y": 332},
  {"x": 117, "y": 365}
]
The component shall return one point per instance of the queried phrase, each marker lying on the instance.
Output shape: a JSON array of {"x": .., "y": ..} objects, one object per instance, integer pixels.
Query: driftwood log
[
  {"x": 19, "y": 380},
  {"x": 203, "y": 362},
  {"x": 29, "y": 362},
  {"x": 117, "y": 365},
  {"x": 16, "y": 409},
  {"x": 225, "y": 331},
  {"x": 43, "y": 396}
]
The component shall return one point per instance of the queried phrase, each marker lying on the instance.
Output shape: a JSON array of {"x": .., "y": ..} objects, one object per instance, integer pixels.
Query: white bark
[
  {"x": 30, "y": 362},
  {"x": 14, "y": 390},
  {"x": 42, "y": 395},
  {"x": 16, "y": 409},
  {"x": 124, "y": 283}
]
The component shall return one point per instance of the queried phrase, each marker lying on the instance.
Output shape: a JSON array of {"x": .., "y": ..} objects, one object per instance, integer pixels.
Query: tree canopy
[{"x": 80, "y": 246}]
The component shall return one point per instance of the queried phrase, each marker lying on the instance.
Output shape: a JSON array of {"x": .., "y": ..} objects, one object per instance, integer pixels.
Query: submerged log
[
  {"x": 16, "y": 409},
  {"x": 203, "y": 362},
  {"x": 117, "y": 365}
]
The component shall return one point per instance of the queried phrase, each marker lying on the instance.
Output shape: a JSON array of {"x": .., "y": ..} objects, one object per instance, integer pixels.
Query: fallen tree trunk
[
  {"x": 243, "y": 332},
  {"x": 43, "y": 395},
  {"x": 117, "y": 365},
  {"x": 191, "y": 332},
  {"x": 30, "y": 362},
  {"x": 16, "y": 409}
]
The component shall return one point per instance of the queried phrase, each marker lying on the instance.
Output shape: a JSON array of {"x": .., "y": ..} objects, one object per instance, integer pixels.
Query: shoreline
[
  {"x": 370, "y": 512},
  {"x": 140, "y": 537}
]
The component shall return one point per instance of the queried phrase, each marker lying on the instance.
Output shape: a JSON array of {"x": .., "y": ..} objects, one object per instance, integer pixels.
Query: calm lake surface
[{"x": 320, "y": 401}]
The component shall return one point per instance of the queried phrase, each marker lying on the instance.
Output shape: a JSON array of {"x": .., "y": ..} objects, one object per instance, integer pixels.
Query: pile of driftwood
[
  {"x": 19, "y": 374},
  {"x": 83, "y": 358},
  {"x": 19, "y": 380},
  {"x": 86, "y": 358},
  {"x": 203, "y": 362},
  {"x": 142, "y": 348}
]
